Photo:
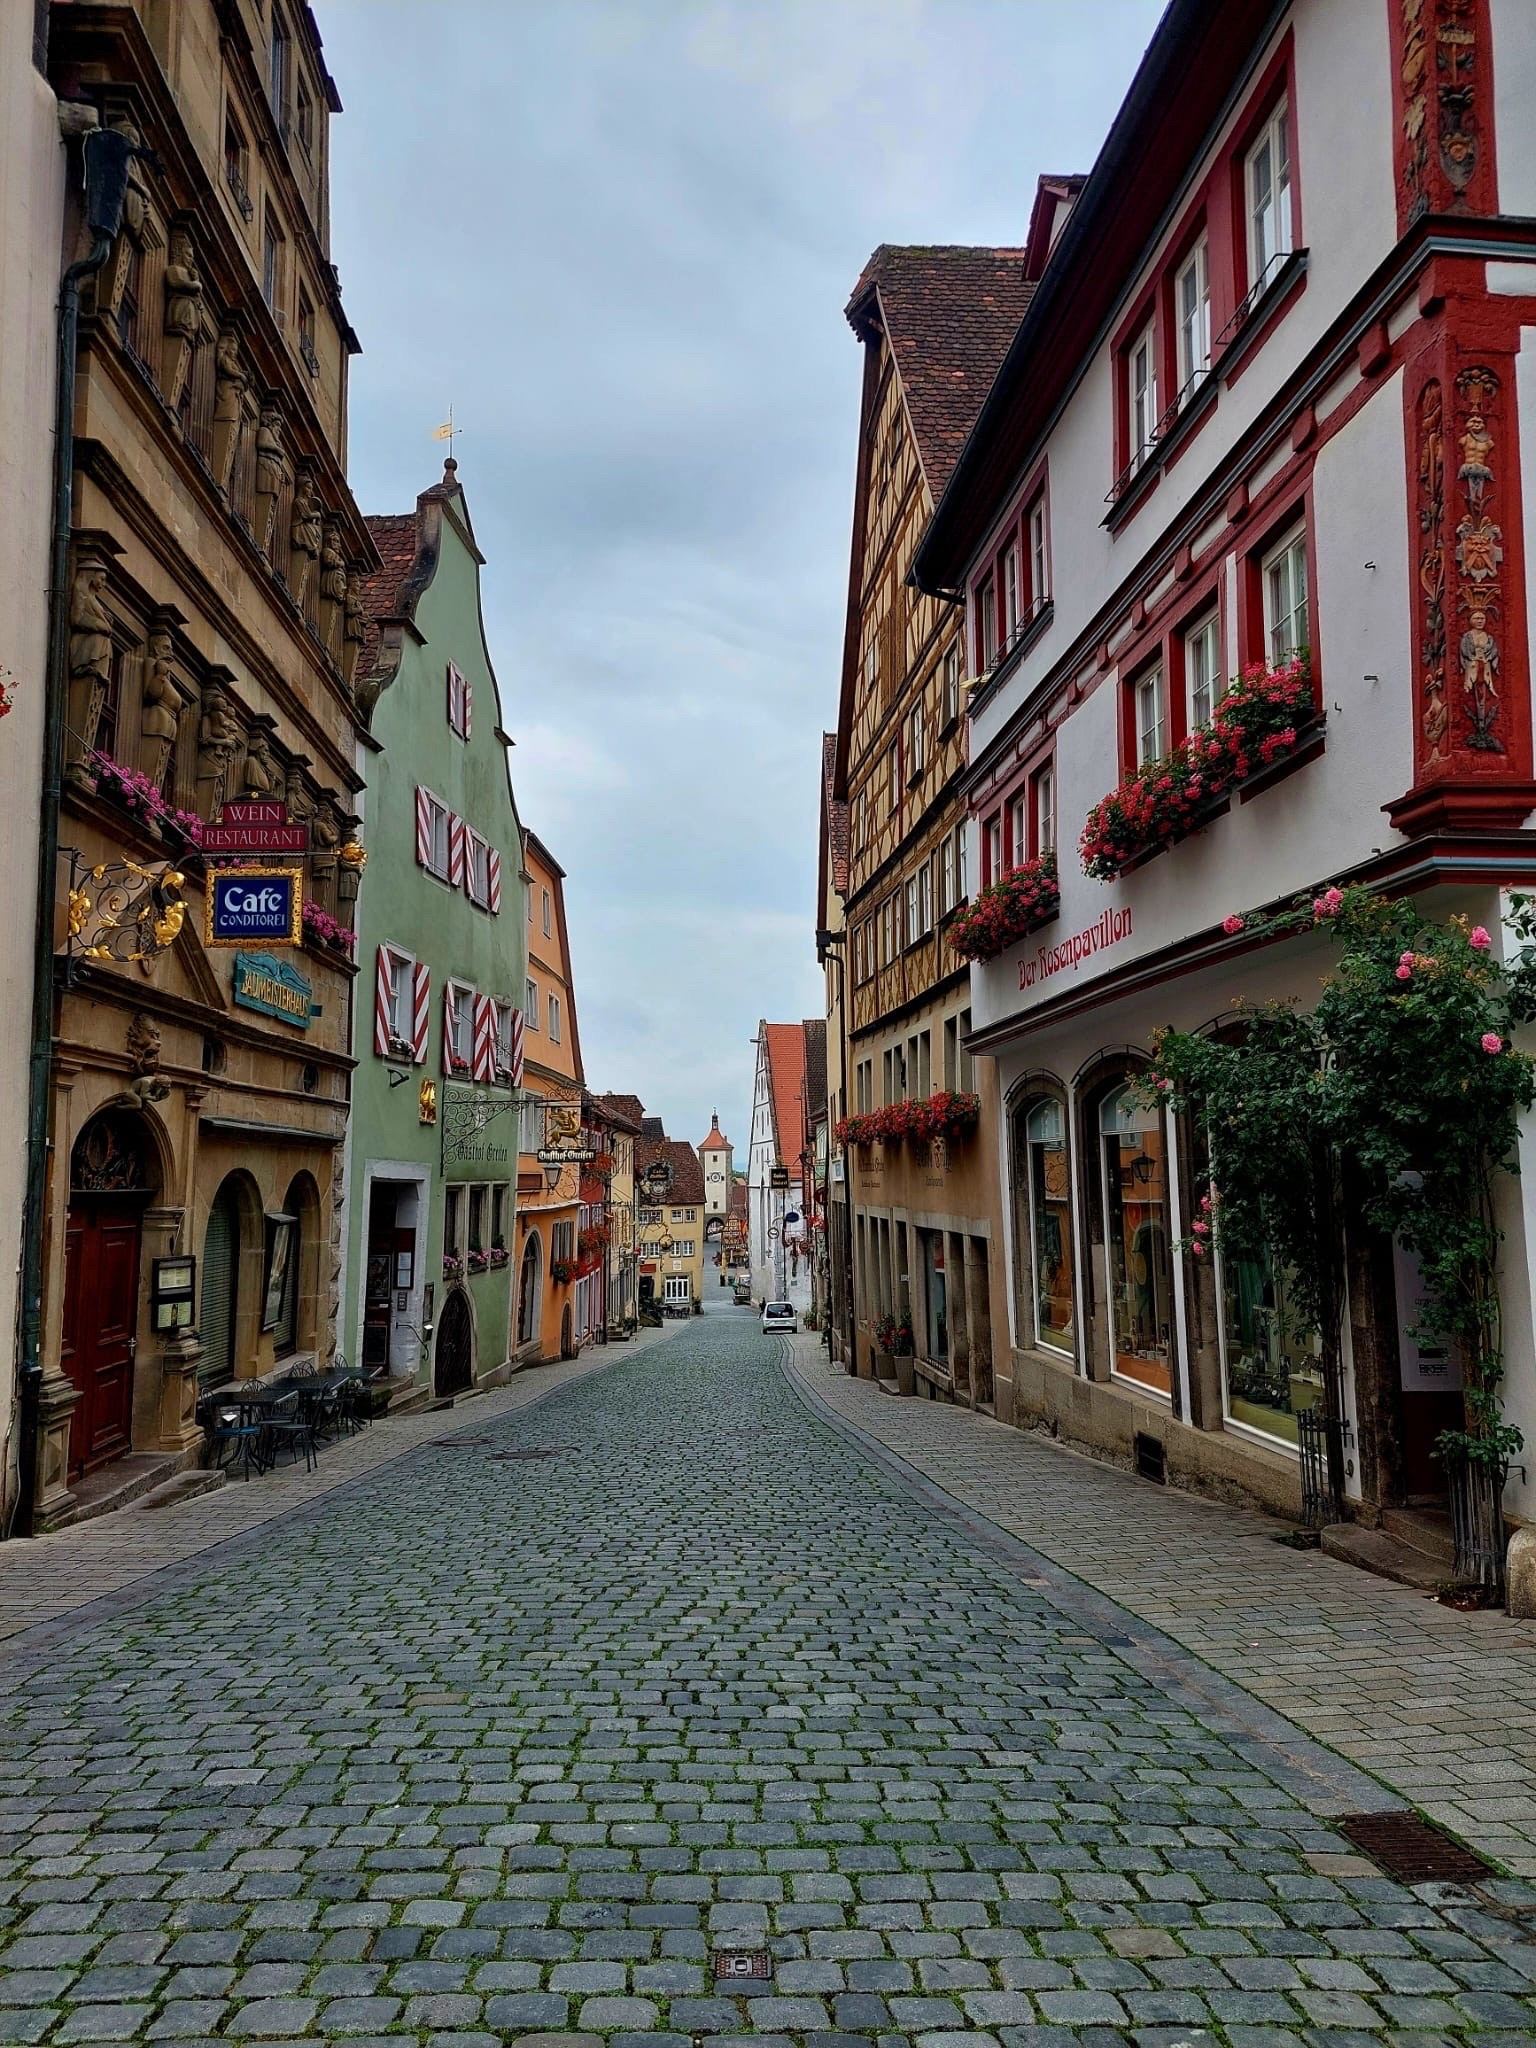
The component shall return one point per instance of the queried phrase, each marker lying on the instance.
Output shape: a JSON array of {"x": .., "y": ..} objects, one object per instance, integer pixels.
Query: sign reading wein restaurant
[
  {"x": 274, "y": 987},
  {"x": 255, "y": 828},
  {"x": 253, "y": 902}
]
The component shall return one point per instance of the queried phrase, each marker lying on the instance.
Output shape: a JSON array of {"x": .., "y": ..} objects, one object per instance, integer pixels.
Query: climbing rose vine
[
  {"x": 1259, "y": 721},
  {"x": 1402, "y": 1086}
]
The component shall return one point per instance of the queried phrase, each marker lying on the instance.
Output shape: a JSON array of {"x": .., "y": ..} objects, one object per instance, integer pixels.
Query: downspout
[{"x": 107, "y": 154}]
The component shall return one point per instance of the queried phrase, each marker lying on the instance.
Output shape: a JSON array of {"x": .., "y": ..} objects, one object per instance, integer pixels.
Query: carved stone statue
[
  {"x": 306, "y": 535},
  {"x": 229, "y": 388},
  {"x": 183, "y": 313},
  {"x": 142, "y": 1043},
  {"x": 90, "y": 666},
  {"x": 354, "y": 625},
  {"x": 272, "y": 474},
  {"x": 130, "y": 241},
  {"x": 218, "y": 735},
  {"x": 161, "y": 716},
  {"x": 261, "y": 777},
  {"x": 351, "y": 861},
  {"x": 333, "y": 588}
]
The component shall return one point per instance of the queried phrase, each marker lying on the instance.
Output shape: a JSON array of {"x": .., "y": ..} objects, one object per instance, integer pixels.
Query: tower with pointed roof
[{"x": 715, "y": 1158}]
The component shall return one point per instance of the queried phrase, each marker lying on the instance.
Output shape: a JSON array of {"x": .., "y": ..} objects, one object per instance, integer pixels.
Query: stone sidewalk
[
  {"x": 54, "y": 1576},
  {"x": 1440, "y": 1706}
]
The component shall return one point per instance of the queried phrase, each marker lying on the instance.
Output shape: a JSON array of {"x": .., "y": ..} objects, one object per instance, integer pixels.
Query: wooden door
[
  {"x": 455, "y": 1354},
  {"x": 101, "y": 1306}
]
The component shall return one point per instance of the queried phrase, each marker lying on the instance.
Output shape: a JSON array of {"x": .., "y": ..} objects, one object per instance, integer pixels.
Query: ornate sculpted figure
[
  {"x": 229, "y": 388},
  {"x": 130, "y": 241},
  {"x": 90, "y": 665},
  {"x": 218, "y": 735},
  {"x": 271, "y": 473},
  {"x": 183, "y": 312},
  {"x": 1476, "y": 448},
  {"x": 161, "y": 715},
  {"x": 355, "y": 625},
  {"x": 1436, "y": 720},
  {"x": 306, "y": 535},
  {"x": 261, "y": 777},
  {"x": 1479, "y": 653},
  {"x": 333, "y": 588}
]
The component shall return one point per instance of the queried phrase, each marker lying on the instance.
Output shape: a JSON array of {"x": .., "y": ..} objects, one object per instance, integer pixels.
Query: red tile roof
[
  {"x": 687, "y": 1174},
  {"x": 716, "y": 1141},
  {"x": 394, "y": 535},
  {"x": 786, "y": 1074},
  {"x": 623, "y": 1112},
  {"x": 949, "y": 314}
]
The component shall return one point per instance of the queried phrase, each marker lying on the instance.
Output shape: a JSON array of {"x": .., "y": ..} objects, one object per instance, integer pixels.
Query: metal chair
[
  {"x": 285, "y": 1424},
  {"x": 233, "y": 1432}
]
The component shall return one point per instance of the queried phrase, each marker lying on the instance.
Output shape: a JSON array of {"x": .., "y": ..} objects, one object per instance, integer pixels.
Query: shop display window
[
  {"x": 1048, "y": 1177},
  {"x": 1134, "y": 1164}
]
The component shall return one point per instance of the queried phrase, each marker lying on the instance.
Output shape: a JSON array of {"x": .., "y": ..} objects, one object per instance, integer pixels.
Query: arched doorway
[
  {"x": 528, "y": 1292},
  {"x": 222, "y": 1248},
  {"x": 112, "y": 1176},
  {"x": 453, "y": 1366}
]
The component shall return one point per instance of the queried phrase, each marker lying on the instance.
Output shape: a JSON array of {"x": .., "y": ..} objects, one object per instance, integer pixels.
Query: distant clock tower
[{"x": 715, "y": 1158}]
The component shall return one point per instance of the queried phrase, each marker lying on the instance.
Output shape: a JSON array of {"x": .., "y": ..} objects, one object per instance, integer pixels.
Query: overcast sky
[{"x": 618, "y": 240}]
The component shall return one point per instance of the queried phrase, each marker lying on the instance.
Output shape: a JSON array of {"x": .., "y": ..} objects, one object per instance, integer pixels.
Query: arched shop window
[
  {"x": 1133, "y": 1158},
  {"x": 1046, "y": 1235}
]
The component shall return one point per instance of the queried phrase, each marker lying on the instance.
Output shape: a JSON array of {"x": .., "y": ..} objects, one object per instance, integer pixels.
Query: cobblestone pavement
[
  {"x": 491, "y": 1746},
  {"x": 111, "y": 1556},
  {"x": 1440, "y": 1705}
]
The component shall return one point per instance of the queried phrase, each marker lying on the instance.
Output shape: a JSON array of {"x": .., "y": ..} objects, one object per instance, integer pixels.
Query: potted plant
[{"x": 453, "y": 1266}]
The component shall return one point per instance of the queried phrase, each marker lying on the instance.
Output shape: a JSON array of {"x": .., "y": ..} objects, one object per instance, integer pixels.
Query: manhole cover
[
  {"x": 751, "y": 1963},
  {"x": 1410, "y": 1849},
  {"x": 508, "y": 1457},
  {"x": 455, "y": 1443}
]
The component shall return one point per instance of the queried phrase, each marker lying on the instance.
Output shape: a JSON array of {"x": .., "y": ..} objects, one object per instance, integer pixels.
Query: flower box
[
  {"x": 138, "y": 796},
  {"x": 1264, "y": 718},
  {"x": 1007, "y": 910},
  {"x": 453, "y": 1266},
  {"x": 562, "y": 1270},
  {"x": 944, "y": 1115},
  {"x": 321, "y": 929},
  {"x": 479, "y": 1261}
]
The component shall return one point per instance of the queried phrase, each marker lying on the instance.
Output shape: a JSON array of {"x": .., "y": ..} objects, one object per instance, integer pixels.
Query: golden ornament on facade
[
  {"x": 427, "y": 1103},
  {"x": 134, "y": 913},
  {"x": 353, "y": 855}
]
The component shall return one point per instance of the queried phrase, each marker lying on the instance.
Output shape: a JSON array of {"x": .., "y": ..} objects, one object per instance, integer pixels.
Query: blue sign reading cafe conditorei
[{"x": 253, "y": 902}]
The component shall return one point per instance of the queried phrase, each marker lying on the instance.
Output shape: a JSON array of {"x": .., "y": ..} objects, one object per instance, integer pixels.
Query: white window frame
[
  {"x": 1287, "y": 595},
  {"x": 1151, "y": 716},
  {"x": 441, "y": 816},
  {"x": 872, "y": 664},
  {"x": 477, "y": 868},
  {"x": 504, "y": 1014},
  {"x": 676, "y": 1287},
  {"x": 1045, "y": 809},
  {"x": 1013, "y": 593},
  {"x": 915, "y": 753},
  {"x": 1018, "y": 828},
  {"x": 544, "y": 912},
  {"x": 948, "y": 897},
  {"x": 960, "y": 863},
  {"x": 994, "y": 831},
  {"x": 461, "y": 1014},
  {"x": 554, "y": 1019},
  {"x": 1141, "y": 373},
  {"x": 951, "y": 686},
  {"x": 925, "y": 896},
  {"x": 1203, "y": 686},
  {"x": 1192, "y": 311},
  {"x": 914, "y": 911},
  {"x": 986, "y": 619},
  {"x": 531, "y": 1004},
  {"x": 1039, "y": 555},
  {"x": 402, "y": 996},
  {"x": 1267, "y": 198},
  {"x": 458, "y": 701}
]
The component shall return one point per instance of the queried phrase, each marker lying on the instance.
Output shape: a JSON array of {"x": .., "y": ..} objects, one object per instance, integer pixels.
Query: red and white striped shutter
[
  {"x": 421, "y": 988},
  {"x": 447, "y": 1028},
  {"x": 453, "y": 697},
  {"x": 423, "y": 828},
  {"x": 493, "y": 872},
  {"x": 469, "y": 704},
  {"x": 484, "y": 1061},
  {"x": 455, "y": 851},
  {"x": 517, "y": 1048},
  {"x": 383, "y": 989}
]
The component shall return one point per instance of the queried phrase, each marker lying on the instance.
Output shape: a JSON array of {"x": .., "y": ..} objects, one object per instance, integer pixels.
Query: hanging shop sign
[
  {"x": 121, "y": 910},
  {"x": 466, "y": 1119},
  {"x": 274, "y": 987},
  {"x": 565, "y": 1155},
  {"x": 778, "y": 1177},
  {"x": 255, "y": 828},
  {"x": 253, "y": 902}
]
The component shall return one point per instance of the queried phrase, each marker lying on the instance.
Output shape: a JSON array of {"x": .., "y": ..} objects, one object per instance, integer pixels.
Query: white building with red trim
[{"x": 1274, "y": 394}]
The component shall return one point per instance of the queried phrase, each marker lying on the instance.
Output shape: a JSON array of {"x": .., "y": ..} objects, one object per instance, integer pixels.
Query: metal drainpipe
[{"x": 107, "y": 154}]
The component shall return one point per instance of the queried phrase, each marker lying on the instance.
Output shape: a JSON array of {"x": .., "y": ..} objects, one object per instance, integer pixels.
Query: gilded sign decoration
[{"x": 123, "y": 911}]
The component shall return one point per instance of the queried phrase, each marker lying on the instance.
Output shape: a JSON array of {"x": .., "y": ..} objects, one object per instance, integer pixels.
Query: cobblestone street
[{"x": 508, "y": 1737}]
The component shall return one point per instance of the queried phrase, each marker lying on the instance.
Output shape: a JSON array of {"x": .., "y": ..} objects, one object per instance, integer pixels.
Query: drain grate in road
[
  {"x": 733, "y": 1964},
  {"x": 456, "y": 1443},
  {"x": 509, "y": 1457},
  {"x": 1412, "y": 1850}
]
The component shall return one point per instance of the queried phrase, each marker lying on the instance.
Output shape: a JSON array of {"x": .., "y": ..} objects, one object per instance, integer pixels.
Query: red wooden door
[{"x": 101, "y": 1307}]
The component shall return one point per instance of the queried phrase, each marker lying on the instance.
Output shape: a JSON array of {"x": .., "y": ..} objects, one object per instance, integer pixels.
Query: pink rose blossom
[
  {"x": 1405, "y": 974},
  {"x": 1198, "y": 1249},
  {"x": 1405, "y": 959},
  {"x": 1492, "y": 1042},
  {"x": 1231, "y": 923},
  {"x": 1480, "y": 939}
]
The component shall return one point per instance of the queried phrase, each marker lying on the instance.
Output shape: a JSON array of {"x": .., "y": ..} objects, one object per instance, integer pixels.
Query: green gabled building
[{"x": 432, "y": 1146}]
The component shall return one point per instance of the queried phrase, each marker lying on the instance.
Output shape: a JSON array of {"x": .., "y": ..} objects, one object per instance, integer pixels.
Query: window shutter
[
  {"x": 469, "y": 703},
  {"x": 383, "y": 989},
  {"x": 423, "y": 828},
  {"x": 216, "y": 1314},
  {"x": 420, "y": 991},
  {"x": 455, "y": 851},
  {"x": 493, "y": 870},
  {"x": 447, "y": 1027},
  {"x": 454, "y": 684},
  {"x": 484, "y": 1057},
  {"x": 517, "y": 1048}
]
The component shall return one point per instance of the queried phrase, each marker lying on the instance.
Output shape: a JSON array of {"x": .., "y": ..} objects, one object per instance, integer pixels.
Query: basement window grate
[
  {"x": 753, "y": 1964},
  {"x": 1151, "y": 1458},
  {"x": 1412, "y": 1850}
]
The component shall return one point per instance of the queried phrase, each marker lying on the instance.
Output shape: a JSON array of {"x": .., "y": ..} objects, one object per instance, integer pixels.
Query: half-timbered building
[{"x": 923, "y": 1199}]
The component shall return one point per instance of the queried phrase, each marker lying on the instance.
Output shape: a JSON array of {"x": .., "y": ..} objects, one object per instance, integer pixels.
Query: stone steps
[{"x": 1376, "y": 1551}]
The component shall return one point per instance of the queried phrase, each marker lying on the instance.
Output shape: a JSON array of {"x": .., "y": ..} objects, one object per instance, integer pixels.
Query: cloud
[{"x": 618, "y": 235}]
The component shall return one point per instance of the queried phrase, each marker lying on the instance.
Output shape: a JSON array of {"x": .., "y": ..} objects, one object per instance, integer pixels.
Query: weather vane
[{"x": 446, "y": 431}]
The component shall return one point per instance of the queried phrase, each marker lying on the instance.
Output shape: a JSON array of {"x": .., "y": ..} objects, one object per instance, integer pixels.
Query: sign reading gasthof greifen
[{"x": 253, "y": 902}]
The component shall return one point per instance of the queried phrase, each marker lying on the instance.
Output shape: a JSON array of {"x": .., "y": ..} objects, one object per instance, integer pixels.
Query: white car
[{"x": 780, "y": 1318}]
